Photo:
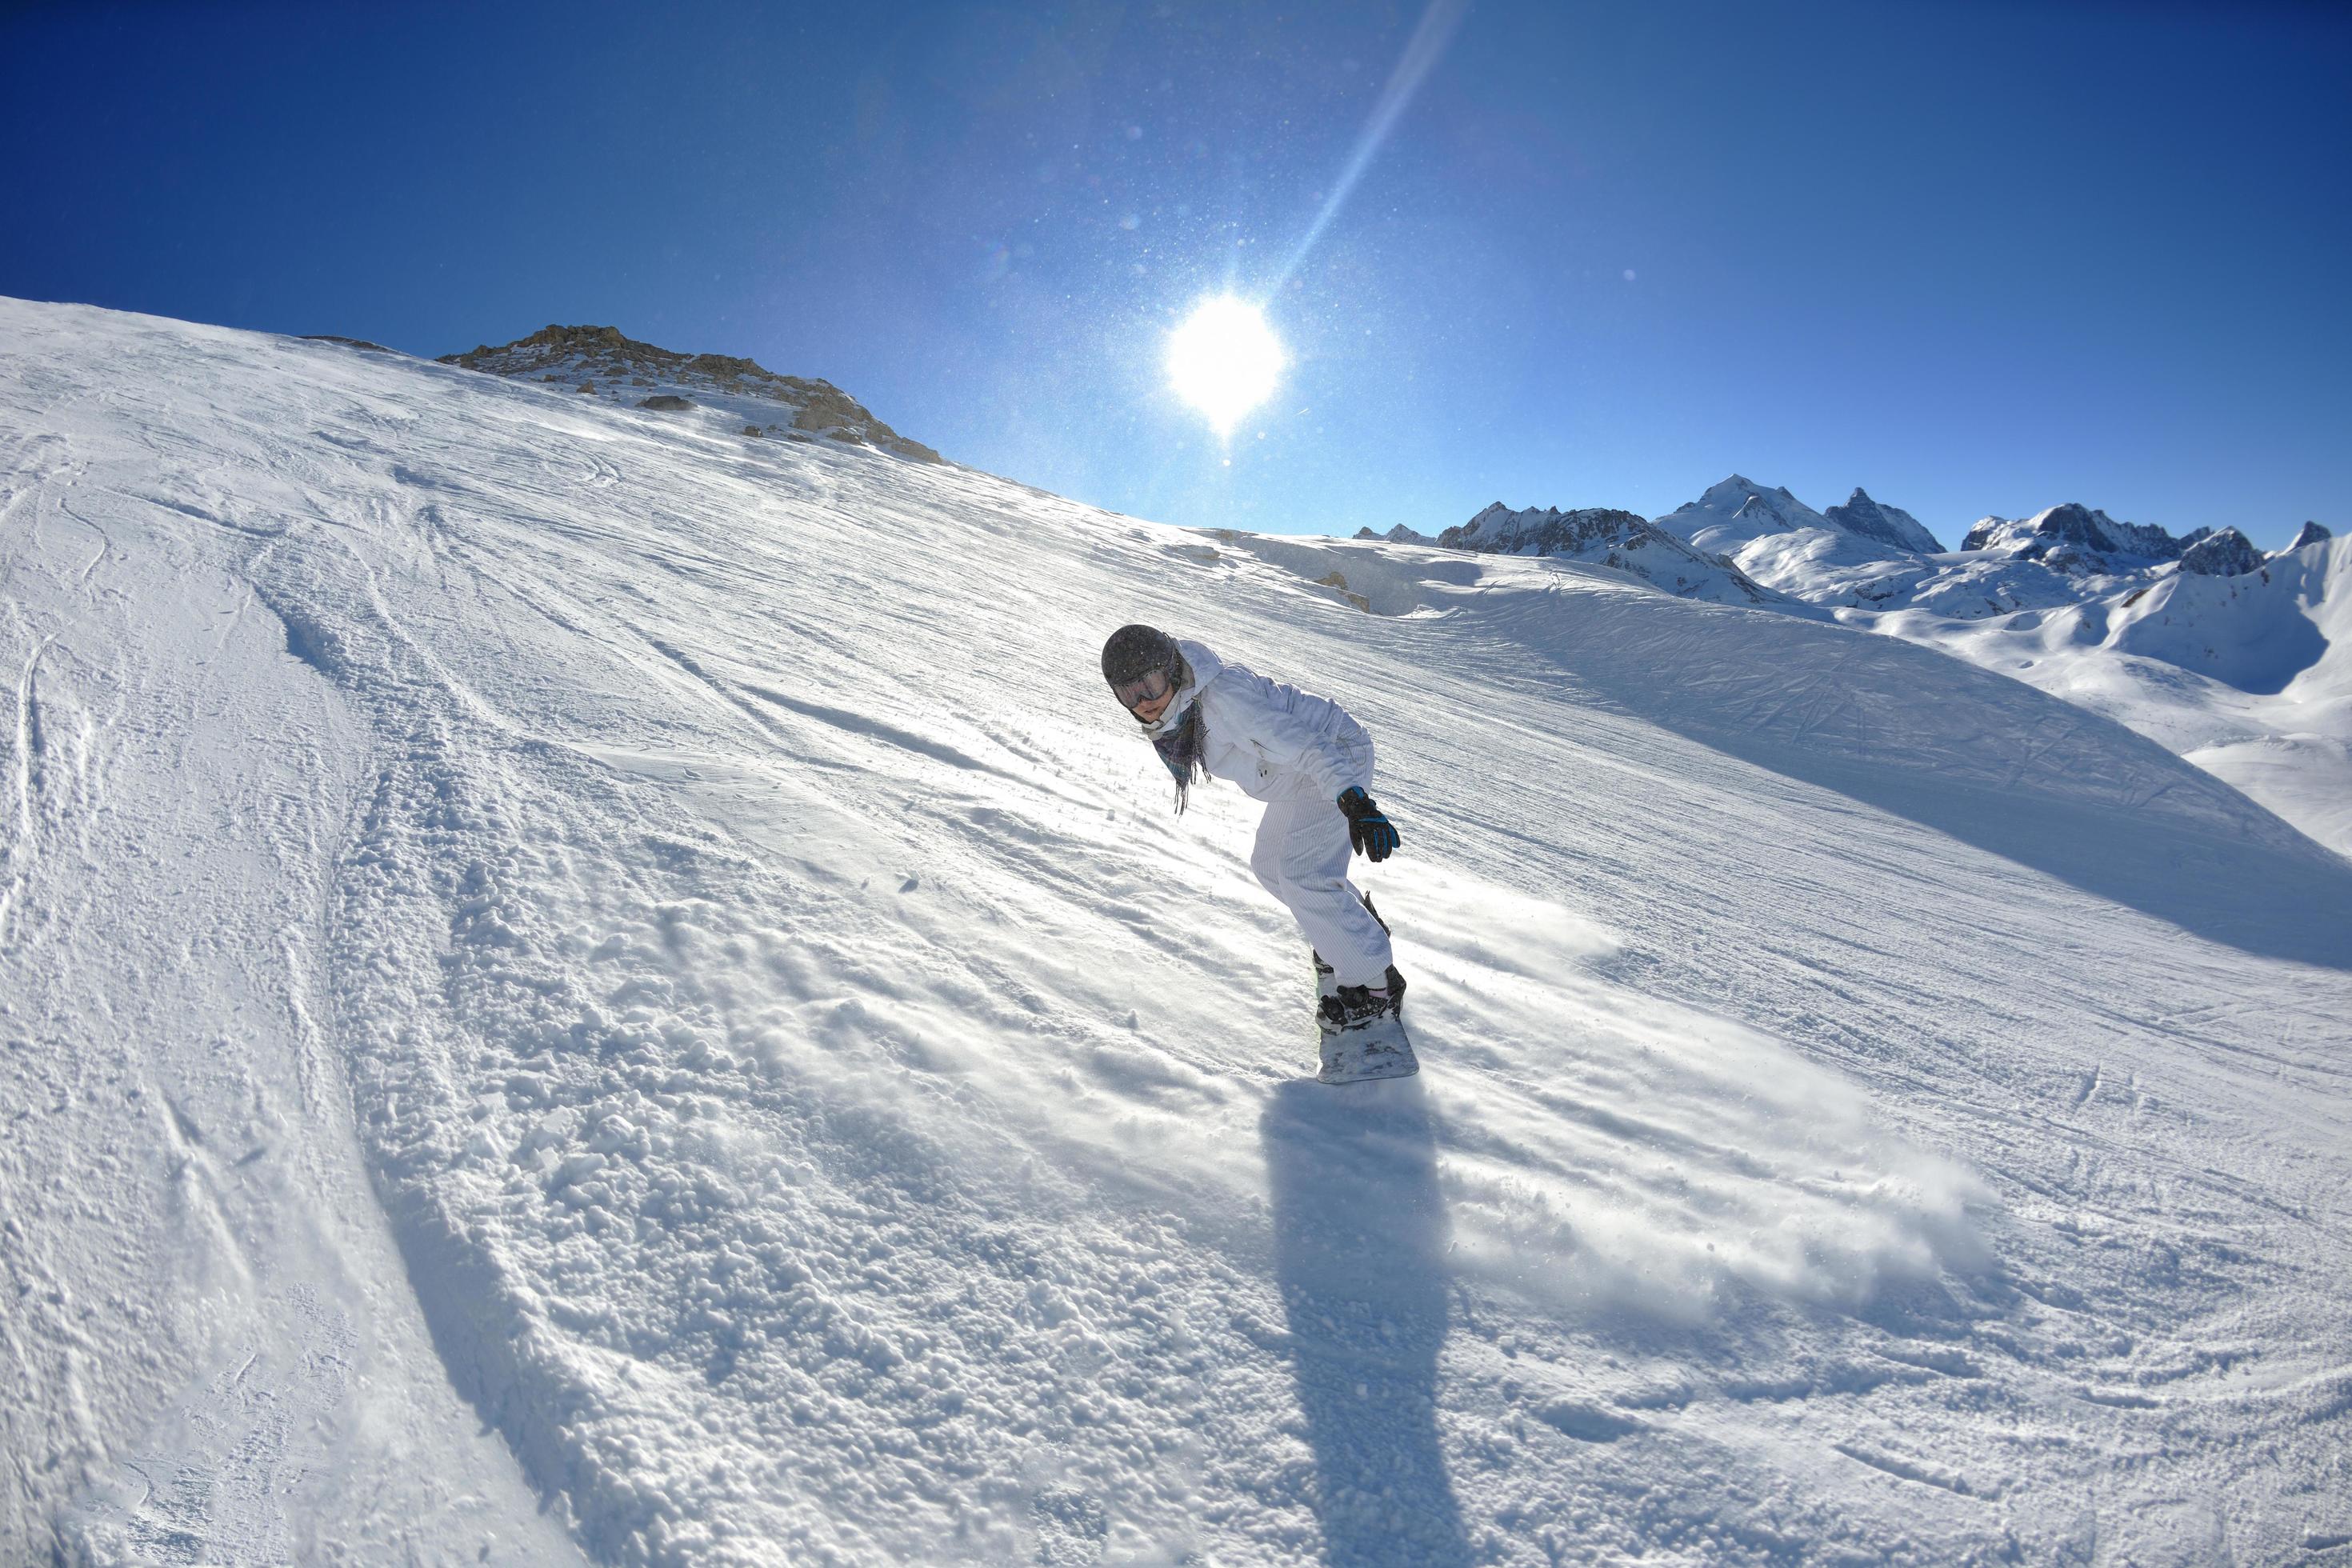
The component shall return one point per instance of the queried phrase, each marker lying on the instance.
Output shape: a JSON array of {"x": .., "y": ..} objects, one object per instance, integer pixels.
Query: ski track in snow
[{"x": 528, "y": 916}]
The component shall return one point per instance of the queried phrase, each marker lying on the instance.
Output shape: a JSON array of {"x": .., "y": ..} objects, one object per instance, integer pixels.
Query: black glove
[{"x": 1369, "y": 832}]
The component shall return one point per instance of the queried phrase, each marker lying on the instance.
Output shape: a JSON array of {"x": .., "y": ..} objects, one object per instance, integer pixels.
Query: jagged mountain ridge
[
  {"x": 1888, "y": 524},
  {"x": 1602, "y": 536},
  {"x": 2200, "y": 641},
  {"x": 605, "y": 363},
  {"x": 2071, "y": 537},
  {"x": 1621, "y": 540}
]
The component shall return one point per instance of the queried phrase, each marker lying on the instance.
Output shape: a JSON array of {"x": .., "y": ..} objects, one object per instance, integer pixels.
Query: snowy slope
[
  {"x": 2248, "y": 676},
  {"x": 2233, "y": 660},
  {"x": 819, "y": 1106}
]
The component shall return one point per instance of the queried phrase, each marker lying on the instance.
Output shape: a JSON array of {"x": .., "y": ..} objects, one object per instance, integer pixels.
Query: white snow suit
[{"x": 1298, "y": 754}]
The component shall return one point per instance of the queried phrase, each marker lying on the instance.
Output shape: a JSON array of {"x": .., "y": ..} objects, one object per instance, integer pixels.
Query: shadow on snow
[
  {"x": 1359, "y": 1236},
  {"x": 1973, "y": 755}
]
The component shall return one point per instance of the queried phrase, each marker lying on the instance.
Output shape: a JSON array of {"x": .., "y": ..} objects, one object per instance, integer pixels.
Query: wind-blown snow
[{"x": 660, "y": 936}]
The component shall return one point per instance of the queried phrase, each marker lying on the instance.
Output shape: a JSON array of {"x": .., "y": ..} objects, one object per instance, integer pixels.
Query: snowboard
[{"x": 1360, "y": 1055}]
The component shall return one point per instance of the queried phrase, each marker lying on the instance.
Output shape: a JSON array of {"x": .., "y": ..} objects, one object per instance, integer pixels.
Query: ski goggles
[{"x": 1150, "y": 687}]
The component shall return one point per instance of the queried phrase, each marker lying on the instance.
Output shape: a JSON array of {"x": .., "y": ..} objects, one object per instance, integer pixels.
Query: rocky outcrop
[
  {"x": 603, "y": 361},
  {"x": 2073, "y": 538},
  {"x": 2310, "y": 533},
  {"x": 1886, "y": 525},
  {"x": 2226, "y": 553},
  {"x": 1547, "y": 531},
  {"x": 1623, "y": 540}
]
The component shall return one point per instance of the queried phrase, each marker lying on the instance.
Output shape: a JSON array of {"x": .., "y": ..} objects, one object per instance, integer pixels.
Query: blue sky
[{"x": 1978, "y": 258}]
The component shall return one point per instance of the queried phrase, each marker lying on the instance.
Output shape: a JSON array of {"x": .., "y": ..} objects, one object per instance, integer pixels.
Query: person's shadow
[{"x": 1359, "y": 1237}]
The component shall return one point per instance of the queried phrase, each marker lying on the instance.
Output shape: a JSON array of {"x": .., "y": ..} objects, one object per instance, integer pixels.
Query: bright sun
[{"x": 1225, "y": 361}]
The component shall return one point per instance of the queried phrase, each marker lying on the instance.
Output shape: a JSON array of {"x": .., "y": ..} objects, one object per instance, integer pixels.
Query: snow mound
[{"x": 667, "y": 938}]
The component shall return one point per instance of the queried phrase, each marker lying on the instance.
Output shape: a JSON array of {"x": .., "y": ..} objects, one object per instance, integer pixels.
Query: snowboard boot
[
  {"x": 1324, "y": 974},
  {"x": 1357, "y": 1006}
]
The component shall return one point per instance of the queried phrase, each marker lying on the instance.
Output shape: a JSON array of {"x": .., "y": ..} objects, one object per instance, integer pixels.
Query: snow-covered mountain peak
[
  {"x": 2073, "y": 538},
  {"x": 1736, "y": 511},
  {"x": 2309, "y": 533},
  {"x": 603, "y": 362},
  {"x": 1733, "y": 492},
  {"x": 2225, "y": 554}
]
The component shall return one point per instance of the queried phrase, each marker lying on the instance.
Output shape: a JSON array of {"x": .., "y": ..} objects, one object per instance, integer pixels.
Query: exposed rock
[
  {"x": 2073, "y": 538},
  {"x": 2226, "y": 553},
  {"x": 347, "y": 342},
  {"x": 1623, "y": 540},
  {"x": 605, "y": 358},
  {"x": 2311, "y": 534},
  {"x": 1337, "y": 579},
  {"x": 1886, "y": 525}
]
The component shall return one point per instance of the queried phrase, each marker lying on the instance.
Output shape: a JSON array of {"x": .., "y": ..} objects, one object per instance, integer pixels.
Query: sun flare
[{"x": 1224, "y": 360}]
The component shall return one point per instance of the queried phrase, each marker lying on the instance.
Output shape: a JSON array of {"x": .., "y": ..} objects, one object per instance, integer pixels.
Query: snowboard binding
[
  {"x": 1361, "y": 1032},
  {"x": 1362, "y": 1038}
]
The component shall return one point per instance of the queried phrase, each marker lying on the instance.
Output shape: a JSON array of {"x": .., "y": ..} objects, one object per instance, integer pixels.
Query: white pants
[{"x": 1301, "y": 857}]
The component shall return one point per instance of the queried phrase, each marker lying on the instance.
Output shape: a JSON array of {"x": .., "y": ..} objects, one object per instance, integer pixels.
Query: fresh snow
[{"x": 572, "y": 982}]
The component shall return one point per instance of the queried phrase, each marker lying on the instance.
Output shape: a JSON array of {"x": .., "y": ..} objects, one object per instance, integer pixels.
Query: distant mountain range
[{"x": 2239, "y": 661}]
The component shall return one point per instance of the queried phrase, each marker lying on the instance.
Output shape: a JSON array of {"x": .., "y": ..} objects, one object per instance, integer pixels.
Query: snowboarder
[{"x": 1310, "y": 762}]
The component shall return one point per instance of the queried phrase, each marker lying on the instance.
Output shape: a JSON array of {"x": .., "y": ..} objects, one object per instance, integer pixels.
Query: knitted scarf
[{"x": 1179, "y": 746}]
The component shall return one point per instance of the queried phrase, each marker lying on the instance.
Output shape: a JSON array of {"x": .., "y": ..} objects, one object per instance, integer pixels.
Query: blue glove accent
[{"x": 1369, "y": 834}]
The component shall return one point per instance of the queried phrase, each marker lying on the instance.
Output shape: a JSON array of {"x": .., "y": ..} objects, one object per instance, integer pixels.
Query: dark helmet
[{"x": 1133, "y": 652}]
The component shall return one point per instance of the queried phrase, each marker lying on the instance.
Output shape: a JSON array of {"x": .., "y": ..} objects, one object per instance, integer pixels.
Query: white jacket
[{"x": 1275, "y": 740}]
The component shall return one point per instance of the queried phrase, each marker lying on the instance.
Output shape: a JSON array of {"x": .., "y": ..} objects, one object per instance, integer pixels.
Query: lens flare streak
[{"x": 1421, "y": 52}]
